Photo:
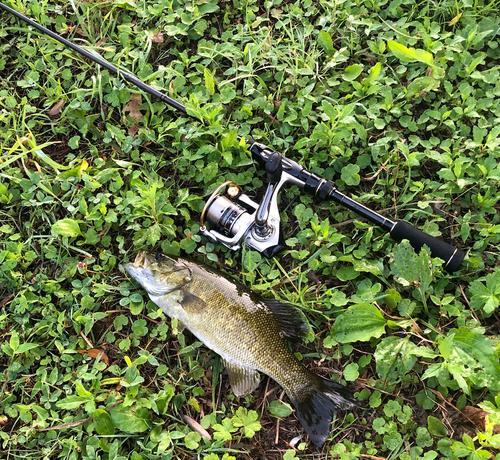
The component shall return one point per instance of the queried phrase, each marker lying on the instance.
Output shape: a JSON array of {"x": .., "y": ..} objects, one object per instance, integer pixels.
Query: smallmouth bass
[{"x": 247, "y": 332}]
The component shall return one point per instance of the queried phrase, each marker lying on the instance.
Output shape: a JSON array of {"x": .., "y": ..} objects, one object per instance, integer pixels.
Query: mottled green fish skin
[
  {"x": 239, "y": 326},
  {"x": 242, "y": 331}
]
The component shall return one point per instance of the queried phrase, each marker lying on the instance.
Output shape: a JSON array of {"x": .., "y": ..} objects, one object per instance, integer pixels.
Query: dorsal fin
[{"x": 291, "y": 320}]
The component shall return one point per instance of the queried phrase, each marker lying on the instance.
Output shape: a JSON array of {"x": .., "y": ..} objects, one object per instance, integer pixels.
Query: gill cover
[{"x": 158, "y": 276}]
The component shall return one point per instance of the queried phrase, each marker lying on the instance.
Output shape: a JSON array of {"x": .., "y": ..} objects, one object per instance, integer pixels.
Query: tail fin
[{"x": 316, "y": 405}]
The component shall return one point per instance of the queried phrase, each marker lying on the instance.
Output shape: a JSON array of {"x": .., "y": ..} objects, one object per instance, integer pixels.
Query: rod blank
[{"x": 96, "y": 58}]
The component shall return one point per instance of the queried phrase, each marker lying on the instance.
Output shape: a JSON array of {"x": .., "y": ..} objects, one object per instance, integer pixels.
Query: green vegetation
[{"x": 396, "y": 101}]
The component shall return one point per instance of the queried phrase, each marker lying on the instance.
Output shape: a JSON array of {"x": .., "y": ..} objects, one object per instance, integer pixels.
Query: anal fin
[
  {"x": 178, "y": 326},
  {"x": 242, "y": 379}
]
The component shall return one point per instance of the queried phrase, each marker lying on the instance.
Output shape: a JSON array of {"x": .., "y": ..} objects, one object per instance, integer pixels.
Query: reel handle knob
[{"x": 274, "y": 168}]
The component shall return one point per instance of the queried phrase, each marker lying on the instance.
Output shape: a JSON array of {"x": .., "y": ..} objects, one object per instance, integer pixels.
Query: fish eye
[{"x": 159, "y": 257}]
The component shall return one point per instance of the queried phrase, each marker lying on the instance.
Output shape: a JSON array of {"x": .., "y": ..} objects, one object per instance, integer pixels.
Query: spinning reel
[{"x": 234, "y": 217}]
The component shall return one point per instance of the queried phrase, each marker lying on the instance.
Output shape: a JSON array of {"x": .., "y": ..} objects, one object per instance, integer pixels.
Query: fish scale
[
  {"x": 246, "y": 331},
  {"x": 249, "y": 329}
]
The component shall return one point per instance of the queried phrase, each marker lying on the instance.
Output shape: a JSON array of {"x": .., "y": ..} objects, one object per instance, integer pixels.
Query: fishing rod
[{"x": 231, "y": 218}]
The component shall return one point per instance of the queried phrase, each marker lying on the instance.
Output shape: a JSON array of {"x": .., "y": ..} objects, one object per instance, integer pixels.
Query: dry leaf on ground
[
  {"x": 94, "y": 353},
  {"x": 132, "y": 108},
  {"x": 56, "y": 109},
  {"x": 194, "y": 425},
  {"x": 158, "y": 37}
]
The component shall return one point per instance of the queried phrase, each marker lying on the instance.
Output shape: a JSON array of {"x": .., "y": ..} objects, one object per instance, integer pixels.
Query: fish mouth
[
  {"x": 158, "y": 275},
  {"x": 138, "y": 267},
  {"x": 143, "y": 260}
]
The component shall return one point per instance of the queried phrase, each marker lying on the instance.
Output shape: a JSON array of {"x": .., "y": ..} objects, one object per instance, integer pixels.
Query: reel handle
[
  {"x": 451, "y": 255},
  {"x": 274, "y": 170}
]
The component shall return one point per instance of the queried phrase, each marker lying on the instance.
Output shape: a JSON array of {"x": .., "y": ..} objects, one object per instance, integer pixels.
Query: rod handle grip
[{"x": 451, "y": 255}]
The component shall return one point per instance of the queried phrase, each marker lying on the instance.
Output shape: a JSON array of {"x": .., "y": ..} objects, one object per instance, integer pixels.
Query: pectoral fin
[
  {"x": 243, "y": 380},
  {"x": 192, "y": 303}
]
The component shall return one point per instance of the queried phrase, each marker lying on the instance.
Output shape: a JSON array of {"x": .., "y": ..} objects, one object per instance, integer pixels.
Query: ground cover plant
[{"x": 396, "y": 101}]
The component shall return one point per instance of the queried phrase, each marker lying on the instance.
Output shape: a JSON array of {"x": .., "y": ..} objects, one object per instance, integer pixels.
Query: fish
[{"x": 246, "y": 330}]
